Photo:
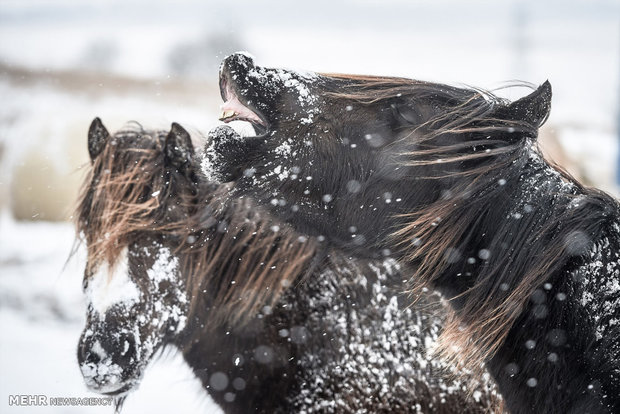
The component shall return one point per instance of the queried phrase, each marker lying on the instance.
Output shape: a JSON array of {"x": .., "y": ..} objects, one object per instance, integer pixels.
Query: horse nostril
[
  {"x": 93, "y": 357},
  {"x": 127, "y": 347},
  {"x": 86, "y": 355}
]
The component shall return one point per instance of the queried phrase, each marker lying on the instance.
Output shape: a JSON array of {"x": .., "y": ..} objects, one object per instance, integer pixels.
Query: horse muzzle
[{"x": 109, "y": 367}]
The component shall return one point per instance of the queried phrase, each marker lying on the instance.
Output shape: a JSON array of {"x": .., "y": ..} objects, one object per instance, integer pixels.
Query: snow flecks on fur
[
  {"x": 104, "y": 377},
  {"x": 295, "y": 80},
  {"x": 107, "y": 374},
  {"x": 377, "y": 357},
  {"x": 166, "y": 269},
  {"x": 284, "y": 149},
  {"x": 598, "y": 285},
  {"x": 133, "y": 330},
  {"x": 597, "y": 280},
  {"x": 221, "y": 134},
  {"x": 276, "y": 79},
  {"x": 208, "y": 166},
  {"x": 546, "y": 178}
]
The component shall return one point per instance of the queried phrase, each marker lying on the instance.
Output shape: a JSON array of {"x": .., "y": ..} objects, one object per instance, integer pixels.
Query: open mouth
[{"x": 233, "y": 109}]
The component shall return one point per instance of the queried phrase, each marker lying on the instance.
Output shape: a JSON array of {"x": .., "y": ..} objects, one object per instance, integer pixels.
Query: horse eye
[{"x": 406, "y": 114}]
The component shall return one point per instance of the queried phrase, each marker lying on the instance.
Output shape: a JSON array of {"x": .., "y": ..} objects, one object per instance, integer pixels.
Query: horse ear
[
  {"x": 178, "y": 148},
  {"x": 98, "y": 135},
  {"x": 533, "y": 108}
]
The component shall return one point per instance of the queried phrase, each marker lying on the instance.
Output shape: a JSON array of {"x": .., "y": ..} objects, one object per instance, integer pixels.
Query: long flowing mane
[
  {"x": 227, "y": 246},
  {"x": 499, "y": 174}
]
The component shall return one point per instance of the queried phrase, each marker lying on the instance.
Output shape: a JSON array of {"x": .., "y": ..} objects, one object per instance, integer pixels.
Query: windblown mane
[
  {"x": 465, "y": 109},
  {"x": 491, "y": 155},
  {"x": 227, "y": 246}
]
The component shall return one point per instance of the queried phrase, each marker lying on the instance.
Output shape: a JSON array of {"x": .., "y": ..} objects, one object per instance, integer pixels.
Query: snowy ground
[
  {"x": 64, "y": 62},
  {"x": 41, "y": 318}
]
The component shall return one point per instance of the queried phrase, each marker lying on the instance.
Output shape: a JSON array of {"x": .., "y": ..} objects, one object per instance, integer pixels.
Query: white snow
[
  {"x": 110, "y": 287},
  {"x": 598, "y": 284},
  {"x": 165, "y": 268},
  {"x": 284, "y": 149}
]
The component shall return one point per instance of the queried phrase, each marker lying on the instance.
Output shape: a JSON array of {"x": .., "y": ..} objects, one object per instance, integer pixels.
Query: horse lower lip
[
  {"x": 119, "y": 392},
  {"x": 115, "y": 389}
]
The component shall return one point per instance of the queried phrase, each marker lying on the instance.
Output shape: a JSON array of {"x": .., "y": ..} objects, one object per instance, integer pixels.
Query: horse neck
[
  {"x": 499, "y": 221},
  {"x": 543, "y": 232}
]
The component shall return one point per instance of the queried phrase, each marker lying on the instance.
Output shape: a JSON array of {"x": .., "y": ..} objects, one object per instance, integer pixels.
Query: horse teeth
[{"x": 227, "y": 114}]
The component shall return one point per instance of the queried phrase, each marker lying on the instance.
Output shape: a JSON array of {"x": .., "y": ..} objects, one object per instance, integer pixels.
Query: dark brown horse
[
  {"x": 450, "y": 181},
  {"x": 269, "y": 320}
]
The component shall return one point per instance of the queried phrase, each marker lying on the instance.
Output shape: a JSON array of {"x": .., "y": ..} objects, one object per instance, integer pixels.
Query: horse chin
[
  {"x": 123, "y": 391},
  {"x": 110, "y": 376}
]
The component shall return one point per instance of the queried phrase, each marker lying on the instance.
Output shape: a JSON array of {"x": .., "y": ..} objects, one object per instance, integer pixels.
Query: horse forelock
[{"x": 114, "y": 200}]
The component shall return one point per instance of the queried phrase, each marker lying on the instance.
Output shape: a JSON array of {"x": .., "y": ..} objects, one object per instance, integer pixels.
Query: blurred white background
[{"x": 64, "y": 62}]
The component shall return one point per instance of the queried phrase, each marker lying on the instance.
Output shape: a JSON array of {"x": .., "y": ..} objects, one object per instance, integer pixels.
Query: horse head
[
  {"x": 343, "y": 156},
  {"x": 137, "y": 299}
]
